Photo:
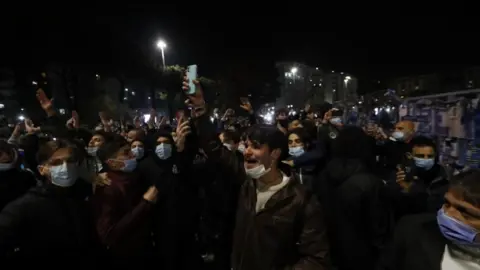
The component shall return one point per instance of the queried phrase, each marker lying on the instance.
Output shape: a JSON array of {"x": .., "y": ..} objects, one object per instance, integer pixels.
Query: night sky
[{"x": 247, "y": 40}]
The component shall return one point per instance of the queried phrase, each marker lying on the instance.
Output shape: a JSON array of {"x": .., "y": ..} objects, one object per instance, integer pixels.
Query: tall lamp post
[{"x": 162, "y": 45}]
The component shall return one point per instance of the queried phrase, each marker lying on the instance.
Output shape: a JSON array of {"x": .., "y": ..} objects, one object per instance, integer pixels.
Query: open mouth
[{"x": 251, "y": 163}]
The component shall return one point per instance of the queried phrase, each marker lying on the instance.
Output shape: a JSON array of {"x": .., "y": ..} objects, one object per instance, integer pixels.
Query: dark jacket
[
  {"x": 425, "y": 195},
  {"x": 218, "y": 181},
  {"x": 359, "y": 221},
  {"x": 289, "y": 233},
  {"x": 13, "y": 184},
  {"x": 47, "y": 220},
  {"x": 418, "y": 245},
  {"x": 122, "y": 216}
]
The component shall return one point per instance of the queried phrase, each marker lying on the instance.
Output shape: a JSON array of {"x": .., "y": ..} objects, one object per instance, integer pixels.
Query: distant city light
[
  {"x": 133, "y": 93},
  {"x": 126, "y": 89},
  {"x": 294, "y": 70},
  {"x": 2, "y": 106},
  {"x": 21, "y": 117},
  {"x": 149, "y": 97},
  {"x": 146, "y": 117},
  {"x": 34, "y": 83},
  {"x": 348, "y": 78},
  {"x": 316, "y": 68}
]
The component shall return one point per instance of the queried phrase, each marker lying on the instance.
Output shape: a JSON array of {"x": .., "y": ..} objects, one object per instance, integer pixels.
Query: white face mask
[
  {"x": 6, "y": 166},
  {"x": 92, "y": 151},
  {"x": 64, "y": 175},
  {"x": 257, "y": 172},
  {"x": 241, "y": 148},
  {"x": 228, "y": 146}
]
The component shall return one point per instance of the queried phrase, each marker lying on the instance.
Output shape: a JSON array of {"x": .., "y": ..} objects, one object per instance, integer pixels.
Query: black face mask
[{"x": 283, "y": 122}]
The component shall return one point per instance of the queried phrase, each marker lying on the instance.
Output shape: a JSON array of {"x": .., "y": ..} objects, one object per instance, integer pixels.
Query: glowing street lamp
[{"x": 162, "y": 45}]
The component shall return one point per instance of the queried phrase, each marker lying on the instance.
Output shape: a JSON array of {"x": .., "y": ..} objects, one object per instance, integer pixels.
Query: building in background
[
  {"x": 440, "y": 82},
  {"x": 340, "y": 87},
  {"x": 300, "y": 83},
  {"x": 295, "y": 85}
]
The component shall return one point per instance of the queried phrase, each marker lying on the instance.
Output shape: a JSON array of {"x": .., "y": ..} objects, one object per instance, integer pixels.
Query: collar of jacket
[{"x": 280, "y": 198}]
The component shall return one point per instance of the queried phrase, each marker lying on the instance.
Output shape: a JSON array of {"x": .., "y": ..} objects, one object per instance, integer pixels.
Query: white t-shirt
[
  {"x": 451, "y": 263},
  {"x": 263, "y": 195}
]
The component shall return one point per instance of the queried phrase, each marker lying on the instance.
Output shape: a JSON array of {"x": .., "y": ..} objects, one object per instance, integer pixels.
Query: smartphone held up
[{"x": 191, "y": 75}]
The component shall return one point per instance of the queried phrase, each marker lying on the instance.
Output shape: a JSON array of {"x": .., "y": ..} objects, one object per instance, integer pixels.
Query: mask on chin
[
  {"x": 228, "y": 146},
  {"x": 257, "y": 172}
]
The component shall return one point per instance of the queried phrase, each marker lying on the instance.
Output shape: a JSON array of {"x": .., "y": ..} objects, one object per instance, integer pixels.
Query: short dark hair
[
  {"x": 140, "y": 133},
  {"x": 231, "y": 136},
  {"x": 107, "y": 136},
  {"x": 303, "y": 135},
  {"x": 47, "y": 148},
  {"x": 424, "y": 141},
  {"x": 271, "y": 136},
  {"x": 281, "y": 111},
  {"x": 421, "y": 140},
  {"x": 108, "y": 149},
  {"x": 469, "y": 186},
  {"x": 353, "y": 143},
  {"x": 7, "y": 148}
]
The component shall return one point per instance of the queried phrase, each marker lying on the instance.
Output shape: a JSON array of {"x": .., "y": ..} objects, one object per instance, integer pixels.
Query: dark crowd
[{"x": 303, "y": 191}]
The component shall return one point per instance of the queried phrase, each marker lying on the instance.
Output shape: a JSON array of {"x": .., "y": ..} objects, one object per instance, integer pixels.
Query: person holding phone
[{"x": 420, "y": 181}]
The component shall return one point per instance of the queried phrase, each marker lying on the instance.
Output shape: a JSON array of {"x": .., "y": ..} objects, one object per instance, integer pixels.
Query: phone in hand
[{"x": 191, "y": 76}]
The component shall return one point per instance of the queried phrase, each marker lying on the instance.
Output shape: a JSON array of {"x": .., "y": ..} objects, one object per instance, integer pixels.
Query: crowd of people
[{"x": 306, "y": 192}]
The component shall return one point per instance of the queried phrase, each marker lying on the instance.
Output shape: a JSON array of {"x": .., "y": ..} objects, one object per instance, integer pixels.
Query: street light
[{"x": 162, "y": 45}]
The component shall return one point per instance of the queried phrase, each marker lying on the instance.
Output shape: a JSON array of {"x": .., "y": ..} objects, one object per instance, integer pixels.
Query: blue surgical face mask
[
  {"x": 163, "y": 151},
  {"x": 64, "y": 175},
  {"x": 138, "y": 152},
  {"x": 455, "y": 230},
  {"x": 129, "y": 165},
  {"x": 92, "y": 151},
  {"x": 424, "y": 163},
  {"x": 398, "y": 135},
  {"x": 336, "y": 120},
  {"x": 6, "y": 166},
  {"x": 296, "y": 151}
]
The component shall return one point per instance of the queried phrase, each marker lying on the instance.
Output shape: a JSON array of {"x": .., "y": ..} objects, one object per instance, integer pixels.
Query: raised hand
[
  {"x": 30, "y": 128},
  {"x": 75, "y": 119},
  {"x": 196, "y": 100},
  {"x": 45, "y": 102},
  {"x": 183, "y": 129},
  {"x": 246, "y": 105}
]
